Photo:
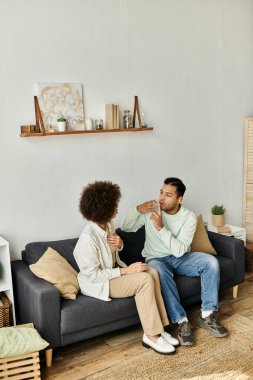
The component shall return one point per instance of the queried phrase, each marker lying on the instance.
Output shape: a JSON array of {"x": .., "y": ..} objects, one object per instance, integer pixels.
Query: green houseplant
[
  {"x": 218, "y": 215},
  {"x": 61, "y": 124}
]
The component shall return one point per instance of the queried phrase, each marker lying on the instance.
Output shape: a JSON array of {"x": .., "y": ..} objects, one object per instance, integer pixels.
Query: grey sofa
[{"x": 62, "y": 322}]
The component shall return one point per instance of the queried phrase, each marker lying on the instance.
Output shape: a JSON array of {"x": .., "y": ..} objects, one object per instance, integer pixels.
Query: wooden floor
[{"x": 80, "y": 360}]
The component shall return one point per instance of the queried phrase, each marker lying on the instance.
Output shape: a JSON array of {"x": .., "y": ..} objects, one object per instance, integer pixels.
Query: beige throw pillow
[
  {"x": 53, "y": 268},
  {"x": 201, "y": 242}
]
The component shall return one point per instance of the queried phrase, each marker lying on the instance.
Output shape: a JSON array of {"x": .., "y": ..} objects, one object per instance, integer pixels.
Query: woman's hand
[
  {"x": 134, "y": 268},
  {"x": 115, "y": 241}
]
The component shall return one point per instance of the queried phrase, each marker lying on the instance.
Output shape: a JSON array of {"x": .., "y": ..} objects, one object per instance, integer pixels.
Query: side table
[
  {"x": 237, "y": 233},
  {"x": 23, "y": 366}
]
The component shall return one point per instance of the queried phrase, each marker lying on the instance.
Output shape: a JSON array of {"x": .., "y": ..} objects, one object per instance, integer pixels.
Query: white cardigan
[{"x": 94, "y": 258}]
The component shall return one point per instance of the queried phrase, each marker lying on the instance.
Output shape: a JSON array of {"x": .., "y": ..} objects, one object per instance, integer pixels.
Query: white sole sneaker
[
  {"x": 160, "y": 346},
  {"x": 169, "y": 339}
]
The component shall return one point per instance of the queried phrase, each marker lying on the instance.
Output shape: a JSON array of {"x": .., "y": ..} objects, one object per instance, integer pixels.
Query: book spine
[{"x": 109, "y": 116}]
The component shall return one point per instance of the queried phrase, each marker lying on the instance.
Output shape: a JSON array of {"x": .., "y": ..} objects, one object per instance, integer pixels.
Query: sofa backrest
[
  {"x": 133, "y": 245},
  {"x": 33, "y": 251}
]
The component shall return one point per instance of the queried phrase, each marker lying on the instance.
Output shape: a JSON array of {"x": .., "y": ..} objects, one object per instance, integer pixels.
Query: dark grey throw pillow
[{"x": 133, "y": 245}]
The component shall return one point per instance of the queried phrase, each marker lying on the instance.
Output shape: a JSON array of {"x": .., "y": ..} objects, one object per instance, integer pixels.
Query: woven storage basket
[{"x": 5, "y": 311}]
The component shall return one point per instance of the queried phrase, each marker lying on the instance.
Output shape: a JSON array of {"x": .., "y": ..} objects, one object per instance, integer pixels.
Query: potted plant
[
  {"x": 218, "y": 215},
  {"x": 61, "y": 124}
]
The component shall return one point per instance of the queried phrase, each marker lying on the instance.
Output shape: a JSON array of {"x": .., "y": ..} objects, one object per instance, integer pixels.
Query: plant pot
[
  {"x": 61, "y": 126},
  {"x": 218, "y": 220}
]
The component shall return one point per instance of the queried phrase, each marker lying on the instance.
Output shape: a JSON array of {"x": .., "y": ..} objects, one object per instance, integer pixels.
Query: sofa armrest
[
  {"x": 231, "y": 248},
  {"x": 36, "y": 301}
]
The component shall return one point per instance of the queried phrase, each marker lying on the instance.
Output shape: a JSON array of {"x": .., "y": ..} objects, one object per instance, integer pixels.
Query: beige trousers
[{"x": 145, "y": 286}]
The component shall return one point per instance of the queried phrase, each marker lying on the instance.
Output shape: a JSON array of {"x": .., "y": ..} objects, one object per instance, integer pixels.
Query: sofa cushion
[
  {"x": 33, "y": 251},
  {"x": 133, "y": 245},
  {"x": 187, "y": 286},
  {"x": 201, "y": 242},
  {"x": 227, "y": 269},
  {"x": 86, "y": 312},
  {"x": 53, "y": 268}
]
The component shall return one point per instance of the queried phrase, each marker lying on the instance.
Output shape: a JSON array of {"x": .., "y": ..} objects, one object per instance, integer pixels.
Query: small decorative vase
[
  {"x": 127, "y": 119},
  {"x": 218, "y": 220},
  {"x": 89, "y": 124},
  {"x": 99, "y": 124},
  {"x": 61, "y": 126}
]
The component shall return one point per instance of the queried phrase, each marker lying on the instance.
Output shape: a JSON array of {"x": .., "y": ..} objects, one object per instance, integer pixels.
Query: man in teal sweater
[{"x": 169, "y": 232}]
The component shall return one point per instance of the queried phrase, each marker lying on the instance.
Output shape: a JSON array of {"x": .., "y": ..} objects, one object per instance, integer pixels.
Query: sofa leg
[
  {"x": 235, "y": 291},
  {"x": 48, "y": 356}
]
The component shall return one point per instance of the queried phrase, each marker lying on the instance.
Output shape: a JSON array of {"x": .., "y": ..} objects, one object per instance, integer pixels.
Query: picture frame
[{"x": 61, "y": 100}]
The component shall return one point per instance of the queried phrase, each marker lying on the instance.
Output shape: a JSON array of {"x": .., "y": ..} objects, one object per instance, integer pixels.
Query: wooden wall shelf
[{"x": 79, "y": 132}]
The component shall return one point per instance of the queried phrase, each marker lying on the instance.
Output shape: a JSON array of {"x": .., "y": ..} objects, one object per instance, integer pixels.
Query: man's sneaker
[
  {"x": 170, "y": 339},
  {"x": 185, "y": 334},
  {"x": 160, "y": 346},
  {"x": 213, "y": 325}
]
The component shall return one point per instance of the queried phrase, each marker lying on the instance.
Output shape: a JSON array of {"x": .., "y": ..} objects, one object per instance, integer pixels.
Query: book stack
[
  {"x": 225, "y": 230},
  {"x": 112, "y": 116}
]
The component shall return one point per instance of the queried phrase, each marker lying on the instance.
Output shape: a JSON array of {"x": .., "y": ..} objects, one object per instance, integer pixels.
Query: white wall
[{"x": 189, "y": 61}]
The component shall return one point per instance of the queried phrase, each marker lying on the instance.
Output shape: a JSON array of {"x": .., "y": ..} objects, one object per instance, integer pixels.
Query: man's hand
[
  {"x": 157, "y": 220},
  {"x": 147, "y": 206}
]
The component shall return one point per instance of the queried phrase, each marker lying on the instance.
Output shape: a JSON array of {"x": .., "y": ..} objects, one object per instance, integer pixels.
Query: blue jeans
[{"x": 194, "y": 264}]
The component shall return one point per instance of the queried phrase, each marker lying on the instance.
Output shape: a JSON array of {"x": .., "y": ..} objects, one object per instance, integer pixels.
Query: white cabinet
[{"x": 5, "y": 273}]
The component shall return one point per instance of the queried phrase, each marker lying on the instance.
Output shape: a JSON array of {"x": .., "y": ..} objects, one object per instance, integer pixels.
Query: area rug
[{"x": 229, "y": 358}]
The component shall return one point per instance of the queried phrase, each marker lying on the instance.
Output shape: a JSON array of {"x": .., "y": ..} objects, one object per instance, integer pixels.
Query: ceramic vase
[
  {"x": 218, "y": 220},
  {"x": 61, "y": 126},
  {"x": 89, "y": 124}
]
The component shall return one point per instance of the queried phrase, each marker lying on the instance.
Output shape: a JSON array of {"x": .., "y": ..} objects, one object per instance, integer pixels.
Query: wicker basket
[{"x": 5, "y": 311}]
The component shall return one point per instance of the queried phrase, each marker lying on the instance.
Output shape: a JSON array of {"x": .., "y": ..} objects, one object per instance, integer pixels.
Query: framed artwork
[{"x": 61, "y": 100}]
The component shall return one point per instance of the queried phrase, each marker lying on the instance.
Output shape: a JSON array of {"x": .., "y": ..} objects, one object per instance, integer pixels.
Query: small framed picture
[{"x": 61, "y": 101}]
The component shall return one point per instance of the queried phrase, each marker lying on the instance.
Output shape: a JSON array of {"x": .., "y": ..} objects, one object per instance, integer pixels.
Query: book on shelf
[
  {"x": 112, "y": 116},
  {"x": 108, "y": 116},
  {"x": 117, "y": 117}
]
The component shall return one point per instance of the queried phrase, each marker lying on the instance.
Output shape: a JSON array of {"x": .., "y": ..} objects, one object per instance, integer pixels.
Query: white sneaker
[
  {"x": 169, "y": 339},
  {"x": 160, "y": 346}
]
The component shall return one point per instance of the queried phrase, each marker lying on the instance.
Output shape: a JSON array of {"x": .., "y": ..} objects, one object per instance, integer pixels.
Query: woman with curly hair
[{"x": 104, "y": 276}]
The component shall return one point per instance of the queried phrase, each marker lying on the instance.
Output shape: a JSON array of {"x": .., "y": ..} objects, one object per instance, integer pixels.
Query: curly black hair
[{"x": 99, "y": 200}]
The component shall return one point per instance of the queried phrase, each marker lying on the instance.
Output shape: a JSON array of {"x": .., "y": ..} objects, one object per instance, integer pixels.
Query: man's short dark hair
[{"x": 173, "y": 181}]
